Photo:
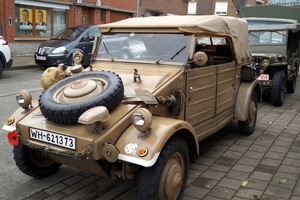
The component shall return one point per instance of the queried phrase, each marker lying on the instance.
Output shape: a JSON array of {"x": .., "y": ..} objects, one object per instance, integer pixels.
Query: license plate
[
  {"x": 52, "y": 138},
  {"x": 41, "y": 57},
  {"x": 263, "y": 77}
]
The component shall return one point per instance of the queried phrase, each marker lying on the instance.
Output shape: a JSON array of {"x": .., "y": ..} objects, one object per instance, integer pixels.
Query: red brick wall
[
  {"x": 7, "y": 9},
  {"x": 165, "y": 6}
]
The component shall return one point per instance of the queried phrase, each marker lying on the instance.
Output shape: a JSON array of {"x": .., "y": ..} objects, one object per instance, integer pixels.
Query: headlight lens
[
  {"x": 142, "y": 119},
  {"x": 59, "y": 50},
  {"x": 265, "y": 62},
  {"x": 23, "y": 99}
]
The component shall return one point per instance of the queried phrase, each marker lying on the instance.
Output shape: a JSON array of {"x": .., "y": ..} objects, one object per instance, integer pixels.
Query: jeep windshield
[
  {"x": 169, "y": 47},
  {"x": 267, "y": 37},
  {"x": 71, "y": 33}
]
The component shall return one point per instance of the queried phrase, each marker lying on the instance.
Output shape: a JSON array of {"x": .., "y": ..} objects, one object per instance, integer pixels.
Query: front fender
[
  {"x": 244, "y": 99},
  {"x": 161, "y": 130}
]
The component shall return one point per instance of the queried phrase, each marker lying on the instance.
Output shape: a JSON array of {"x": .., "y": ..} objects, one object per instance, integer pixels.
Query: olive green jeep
[
  {"x": 275, "y": 47},
  {"x": 140, "y": 117}
]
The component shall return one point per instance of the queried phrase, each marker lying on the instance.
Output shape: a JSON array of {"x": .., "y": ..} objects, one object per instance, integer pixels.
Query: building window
[
  {"x": 192, "y": 7},
  {"x": 37, "y": 21},
  {"x": 221, "y": 8}
]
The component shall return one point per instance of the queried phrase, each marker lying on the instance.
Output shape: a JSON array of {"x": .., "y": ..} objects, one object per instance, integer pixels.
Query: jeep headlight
[
  {"x": 59, "y": 50},
  {"x": 142, "y": 119},
  {"x": 265, "y": 62},
  {"x": 23, "y": 98}
]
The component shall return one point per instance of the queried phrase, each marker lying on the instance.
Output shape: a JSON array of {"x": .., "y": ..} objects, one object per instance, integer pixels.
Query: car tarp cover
[
  {"x": 270, "y": 11},
  {"x": 235, "y": 28}
]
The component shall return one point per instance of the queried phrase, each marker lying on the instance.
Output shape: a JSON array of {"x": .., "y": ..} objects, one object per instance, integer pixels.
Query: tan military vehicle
[{"x": 140, "y": 117}]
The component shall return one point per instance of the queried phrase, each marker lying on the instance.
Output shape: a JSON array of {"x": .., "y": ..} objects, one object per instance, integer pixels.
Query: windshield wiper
[
  {"x": 178, "y": 52},
  {"x": 107, "y": 52}
]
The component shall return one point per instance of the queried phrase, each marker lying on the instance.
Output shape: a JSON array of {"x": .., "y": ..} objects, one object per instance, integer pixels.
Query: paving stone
[
  {"x": 55, "y": 188},
  {"x": 271, "y": 162},
  {"x": 193, "y": 174},
  {"x": 206, "y": 183},
  {"x": 220, "y": 148},
  {"x": 38, "y": 196},
  {"x": 287, "y": 175},
  {"x": 289, "y": 183},
  {"x": 212, "y": 154},
  {"x": 267, "y": 197},
  {"x": 195, "y": 192},
  {"x": 73, "y": 179},
  {"x": 225, "y": 142},
  {"x": 291, "y": 162},
  {"x": 261, "y": 176},
  {"x": 294, "y": 197},
  {"x": 244, "y": 142},
  {"x": 233, "y": 154},
  {"x": 248, "y": 161},
  {"x": 226, "y": 161},
  {"x": 263, "y": 142},
  {"x": 278, "y": 192},
  {"x": 89, "y": 179},
  {"x": 184, "y": 197},
  {"x": 198, "y": 167},
  {"x": 279, "y": 149},
  {"x": 221, "y": 168},
  {"x": 289, "y": 169},
  {"x": 243, "y": 168},
  {"x": 237, "y": 175},
  {"x": 283, "y": 143},
  {"x": 252, "y": 154},
  {"x": 274, "y": 155},
  {"x": 73, "y": 188},
  {"x": 56, "y": 196},
  {"x": 266, "y": 168},
  {"x": 294, "y": 149},
  {"x": 230, "y": 183},
  {"x": 222, "y": 192},
  {"x": 205, "y": 161},
  {"x": 247, "y": 193},
  {"x": 258, "y": 148},
  {"x": 213, "y": 174},
  {"x": 257, "y": 184}
]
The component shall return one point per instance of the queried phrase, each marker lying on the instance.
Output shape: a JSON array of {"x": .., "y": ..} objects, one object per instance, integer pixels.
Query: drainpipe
[{"x": 138, "y": 13}]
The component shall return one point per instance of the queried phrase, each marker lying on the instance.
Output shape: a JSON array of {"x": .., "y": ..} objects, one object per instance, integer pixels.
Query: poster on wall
[{"x": 26, "y": 18}]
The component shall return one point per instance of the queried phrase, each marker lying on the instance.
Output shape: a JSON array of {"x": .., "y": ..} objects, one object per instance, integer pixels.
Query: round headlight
[
  {"x": 142, "y": 119},
  {"x": 23, "y": 99},
  {"x": 265, "y": 62}
]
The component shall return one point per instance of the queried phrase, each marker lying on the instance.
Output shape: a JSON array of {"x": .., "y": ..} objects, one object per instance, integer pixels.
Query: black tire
[
  {"x": 1, "y": 68},
  {"x": 34, "y": 163},
  {"x": 291, "y": 85},
  {"x": 66, "y": 113},
  {"x": 170, "y": 171},
  {"x": 278, "y": 88},
  {"x": 247, "y": 127}
]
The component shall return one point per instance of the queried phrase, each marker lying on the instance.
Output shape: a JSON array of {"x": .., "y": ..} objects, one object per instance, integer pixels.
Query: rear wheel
[
  {"x": 34, "y": 163},
  {"x": 278, "y": 88},
  {"x": 166, "y": 179},
  {"x": 247, "y": 127}
]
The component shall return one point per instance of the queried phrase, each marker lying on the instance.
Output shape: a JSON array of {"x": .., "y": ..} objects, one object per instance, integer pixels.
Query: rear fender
[
  {"x": 244, "y": 99},
  {"x": 161, "y": 131}
]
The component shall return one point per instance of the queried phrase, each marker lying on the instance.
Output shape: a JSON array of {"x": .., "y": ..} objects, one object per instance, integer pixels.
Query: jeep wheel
[
  {"x": 1, "y": 68},
  {"x": 166, "y": 179},
  {"x": 278, "y": 88},
  {"x": 247, "y": 127},
  {"x": 125, "y": 55},
  {"x": 291, "y": 85},
  {"x": 33, "y": 162},
  {"x": 64, "y": 101}
]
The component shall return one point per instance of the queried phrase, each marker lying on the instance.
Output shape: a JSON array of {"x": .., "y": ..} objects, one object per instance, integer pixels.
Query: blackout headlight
[
  {"x": 265, "y": 62},
  {"x": 142, "y": 119},
  {"x": 23, "y": 98}
]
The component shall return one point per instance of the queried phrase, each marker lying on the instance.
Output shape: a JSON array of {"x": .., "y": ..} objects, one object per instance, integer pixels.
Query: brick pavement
[{"x": 227, "y": 159}]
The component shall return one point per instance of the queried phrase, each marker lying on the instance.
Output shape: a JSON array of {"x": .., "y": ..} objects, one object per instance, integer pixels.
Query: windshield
[
  {"x": 145, "y": 46},
  {"x": 267, "y": 37},
  {"x": 71, "y": 33}
]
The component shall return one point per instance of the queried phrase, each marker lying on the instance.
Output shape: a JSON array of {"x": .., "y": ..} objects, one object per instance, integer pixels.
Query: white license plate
[
  {"x": 52, "y": 138},
  {"x": 263, "y": 77},
  {"x": 41, "y": 57}
]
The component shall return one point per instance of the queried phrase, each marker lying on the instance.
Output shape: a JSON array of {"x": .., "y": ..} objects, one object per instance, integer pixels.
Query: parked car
[
  {"x": 5, "y": 55},
  {"x": 60, "y": 47},
  {"x": 275, "y": 47},
  {"x": 140, "y": 118}
]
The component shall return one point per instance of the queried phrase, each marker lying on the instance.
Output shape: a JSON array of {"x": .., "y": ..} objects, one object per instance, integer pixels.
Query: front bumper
[{"x": 51, "y": 60}]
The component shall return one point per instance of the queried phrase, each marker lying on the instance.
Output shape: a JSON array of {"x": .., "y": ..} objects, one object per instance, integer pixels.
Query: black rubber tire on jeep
[
  {"x": 247, "y": 127},
  {"x": 68, "y": 113},
  {"x": 166, "y": 179},
  {"x": 34, "y": 163},
  {"x": 278, "y": 88},
  {"x": 291, "y": 85}
]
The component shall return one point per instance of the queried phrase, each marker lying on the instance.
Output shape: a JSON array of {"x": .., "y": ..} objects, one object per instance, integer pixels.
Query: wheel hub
[{"x": 173, "y": 180}]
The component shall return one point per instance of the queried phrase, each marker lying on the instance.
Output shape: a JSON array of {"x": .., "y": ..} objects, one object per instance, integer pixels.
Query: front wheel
[
  {"x": 166, "y": 179},
  {"x": 34, "y": 163},
  {"x": 247, "y": 127},
  {"x": 278, "y": 88}
]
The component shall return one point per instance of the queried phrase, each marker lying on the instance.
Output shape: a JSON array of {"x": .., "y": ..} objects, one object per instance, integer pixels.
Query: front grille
[
  {"x": 257, "y": 60},
  {"x": 44, "y": 50}
]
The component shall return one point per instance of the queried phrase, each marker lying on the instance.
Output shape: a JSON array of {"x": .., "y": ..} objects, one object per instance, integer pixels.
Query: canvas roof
[{"x": 235, "y": 28}]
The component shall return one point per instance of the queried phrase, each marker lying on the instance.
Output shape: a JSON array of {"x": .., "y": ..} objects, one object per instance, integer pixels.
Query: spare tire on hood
[{"x": 64, "y": 101}]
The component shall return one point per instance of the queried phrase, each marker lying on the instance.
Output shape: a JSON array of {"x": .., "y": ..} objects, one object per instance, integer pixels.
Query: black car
[{"x": 59, "y": 49}]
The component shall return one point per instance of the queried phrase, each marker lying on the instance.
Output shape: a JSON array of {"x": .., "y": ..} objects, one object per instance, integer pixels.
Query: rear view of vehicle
[
  {"x": 5, "y": 55},
  {"x": 60, "y": 48},
  {"x": 275, "y": 47}
]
